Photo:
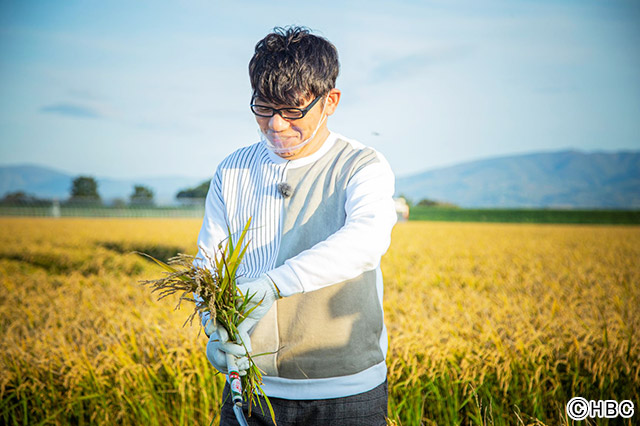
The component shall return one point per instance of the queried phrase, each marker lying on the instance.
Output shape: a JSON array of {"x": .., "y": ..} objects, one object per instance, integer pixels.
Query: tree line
[{"x": 83, "y": 192}]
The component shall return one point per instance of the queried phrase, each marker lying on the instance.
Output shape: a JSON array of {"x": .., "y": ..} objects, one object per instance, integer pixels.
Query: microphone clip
[{"x": 285, "y": 189}]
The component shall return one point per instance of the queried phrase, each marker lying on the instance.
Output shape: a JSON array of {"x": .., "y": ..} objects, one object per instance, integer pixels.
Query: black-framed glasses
[{"x": 286, "y": 113}]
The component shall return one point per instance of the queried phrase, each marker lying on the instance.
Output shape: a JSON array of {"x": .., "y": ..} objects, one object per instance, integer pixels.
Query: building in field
[{"x": 402, "y": 209}]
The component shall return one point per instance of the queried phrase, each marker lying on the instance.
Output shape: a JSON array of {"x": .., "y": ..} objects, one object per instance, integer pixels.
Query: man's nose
[{"x": 277, "y": 123}]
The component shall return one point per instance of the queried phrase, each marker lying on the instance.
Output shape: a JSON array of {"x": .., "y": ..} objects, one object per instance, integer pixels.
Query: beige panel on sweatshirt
[{"x": 334, "y": 331}]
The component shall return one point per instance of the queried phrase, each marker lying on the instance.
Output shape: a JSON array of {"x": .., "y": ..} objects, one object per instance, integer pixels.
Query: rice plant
[
  {"x": 213, "y": 289},
  {"x": 488, "y": 324}
]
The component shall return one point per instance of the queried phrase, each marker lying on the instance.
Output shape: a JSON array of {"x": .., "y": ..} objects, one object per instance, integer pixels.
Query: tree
[
  {"x": 21, "y": 198},
  {"x": 141, "y": 196},
  {"x": 199, "y": 191},
  {"x": 84, "y": 189},
  {"x": 426, "y": 202},
  {"x": 16, "y": 197}
]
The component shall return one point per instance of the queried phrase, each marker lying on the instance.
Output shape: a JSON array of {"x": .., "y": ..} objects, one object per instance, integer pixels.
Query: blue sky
[{"x": 138, "y": 89}]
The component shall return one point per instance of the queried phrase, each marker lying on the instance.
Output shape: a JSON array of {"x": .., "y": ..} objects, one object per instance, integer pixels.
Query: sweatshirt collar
[{"x": 299, "y": 162}]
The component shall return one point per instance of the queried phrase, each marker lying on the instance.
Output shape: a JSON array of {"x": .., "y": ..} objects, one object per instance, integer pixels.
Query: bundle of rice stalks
[{"x": 214, "y": 289}]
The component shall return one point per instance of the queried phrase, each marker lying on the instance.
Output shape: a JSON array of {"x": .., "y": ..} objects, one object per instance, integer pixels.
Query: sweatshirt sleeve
[
  {"x": 213, "y": 229},
  {"x": 356, "y": 247},
  {"x": 214, "y": 224}
]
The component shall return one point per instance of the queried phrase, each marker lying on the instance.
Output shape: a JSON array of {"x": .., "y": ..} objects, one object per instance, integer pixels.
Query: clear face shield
[{"x": 290, "y": 143}]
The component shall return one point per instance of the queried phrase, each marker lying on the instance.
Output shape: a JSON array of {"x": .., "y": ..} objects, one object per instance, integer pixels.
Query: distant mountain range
[
  {"x": 567, "y": 179},
  {"x": 45, "y": 182}
]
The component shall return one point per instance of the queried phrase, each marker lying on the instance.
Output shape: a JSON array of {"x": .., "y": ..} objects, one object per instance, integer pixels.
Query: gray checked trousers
[{"x": 365, "y": 409}]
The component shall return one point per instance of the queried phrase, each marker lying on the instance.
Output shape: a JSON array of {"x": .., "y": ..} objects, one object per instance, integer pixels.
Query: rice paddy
[{"x": 488, "y": 323}]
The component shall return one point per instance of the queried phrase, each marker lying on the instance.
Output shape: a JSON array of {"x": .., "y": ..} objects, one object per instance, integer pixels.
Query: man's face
[{"x": 288, "y": 133}]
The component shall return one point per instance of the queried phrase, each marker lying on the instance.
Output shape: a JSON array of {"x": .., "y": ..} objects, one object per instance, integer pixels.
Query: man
[{"x": 322, "y": 212}]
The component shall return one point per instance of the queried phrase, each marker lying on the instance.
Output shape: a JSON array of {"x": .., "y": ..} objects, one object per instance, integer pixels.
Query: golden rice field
[{"x": 489, "y": 324}]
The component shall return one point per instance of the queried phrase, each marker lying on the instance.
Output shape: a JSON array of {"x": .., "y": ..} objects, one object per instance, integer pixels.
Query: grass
[
  {"x": 489, "y": 324},
  {"x": 453, "y": 214}
]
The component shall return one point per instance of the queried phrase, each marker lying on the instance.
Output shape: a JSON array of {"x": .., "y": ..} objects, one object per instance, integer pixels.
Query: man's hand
[
  {"x": 218, "y": 347},
  {"x": 262, "y": 293}
]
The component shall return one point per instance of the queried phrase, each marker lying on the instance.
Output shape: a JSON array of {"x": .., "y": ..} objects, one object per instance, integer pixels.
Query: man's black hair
[{"x": 291, "y": 65}]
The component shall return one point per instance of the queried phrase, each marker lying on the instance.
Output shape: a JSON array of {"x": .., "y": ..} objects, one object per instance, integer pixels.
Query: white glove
[
  {"x": 263, "y": 293},
  {"x": 219, "y": 346}
]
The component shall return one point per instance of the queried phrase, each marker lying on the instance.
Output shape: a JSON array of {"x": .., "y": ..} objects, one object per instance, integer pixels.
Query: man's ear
[{"x": 333, "y": 99}]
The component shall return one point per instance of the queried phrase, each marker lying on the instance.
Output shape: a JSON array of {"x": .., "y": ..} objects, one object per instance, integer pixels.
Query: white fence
[{"x": 55, "y": 209}]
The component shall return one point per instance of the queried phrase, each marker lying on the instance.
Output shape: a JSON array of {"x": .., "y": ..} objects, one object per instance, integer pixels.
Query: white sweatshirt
[{"x": 322, "y": 247}]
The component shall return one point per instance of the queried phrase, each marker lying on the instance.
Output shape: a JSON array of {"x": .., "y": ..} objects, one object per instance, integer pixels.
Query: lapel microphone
[{"x": 285, "y": 189}]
